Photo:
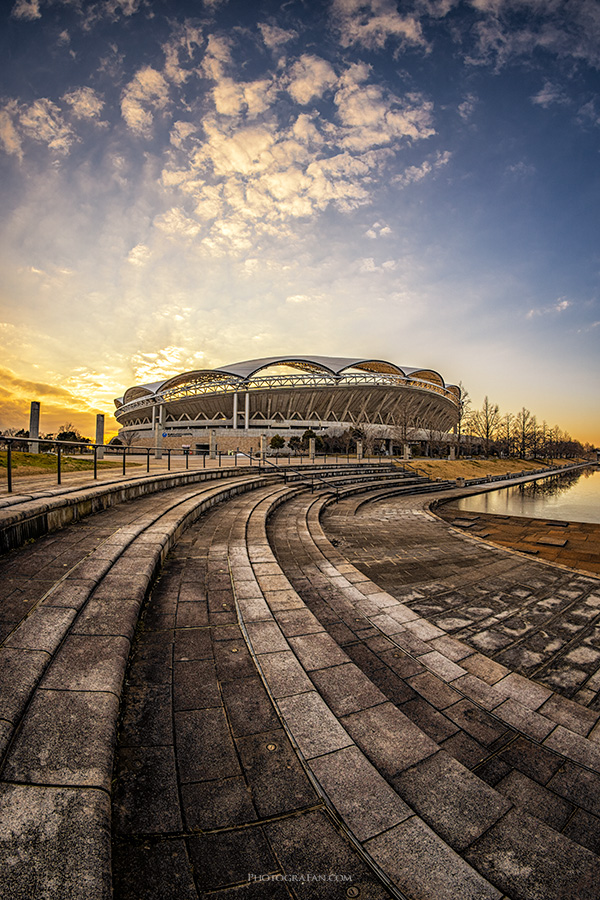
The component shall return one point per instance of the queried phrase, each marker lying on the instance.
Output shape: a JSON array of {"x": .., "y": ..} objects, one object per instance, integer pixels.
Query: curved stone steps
[
  {"x": 420, "y": 786},
  {"x": 62, "y": 680},
  {"x": 210, "y": 797}
]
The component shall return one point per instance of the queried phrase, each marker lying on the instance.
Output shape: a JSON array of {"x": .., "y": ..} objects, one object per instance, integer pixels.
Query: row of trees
[
  {"x": 66, "y": 433},
  {"x": 512, "y": 434}
]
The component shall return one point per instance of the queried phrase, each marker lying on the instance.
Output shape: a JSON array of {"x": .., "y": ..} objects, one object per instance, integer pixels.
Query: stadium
[{"x": 237, "y": 404}]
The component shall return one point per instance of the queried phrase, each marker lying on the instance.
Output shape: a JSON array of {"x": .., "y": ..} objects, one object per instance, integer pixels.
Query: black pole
[
  {"x": 204, "y": 460},
  {"x": 9, "y": 467},
  {"x": 58, "y": 472},
  {"x": 187, "y": 458},
  {"x": 148, "y": 459},
  {"x": 219, "y": 459},
  {"x": 124, "y": 448},
  {"x": 169, "y": 460},
  {"x": 95, "y": 461}
]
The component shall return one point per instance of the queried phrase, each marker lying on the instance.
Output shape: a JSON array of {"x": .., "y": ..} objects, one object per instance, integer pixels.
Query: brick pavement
[{"x": 298, "y": 719}]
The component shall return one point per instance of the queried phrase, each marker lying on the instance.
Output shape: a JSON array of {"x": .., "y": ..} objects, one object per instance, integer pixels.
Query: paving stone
[
  {"x": 55, "y": 843},
  {"x": 314, "y": 727},
  {"x": 476, "y": 722},
  {"x": 108, "y": 617},
  {"x": 317, "y": 651},
  {"x": 191, "y": 615},
  {"x": 535, "y": 799},
  {"x": 526, "y": 692},
  {"x": 360, "y": 795},
  {"x": 574, "y": 747},
  {"x": 584, "y": 828},
  {"x": 525, "y": 720},
  {"x": 531, "y": 759},
  {"x": 577, "y": 785},
  {"x": 423, "y": 866},
  {"x": 394, "y": 687},
  {"x": 284, "y": 674},
  {"x": 529, "y": 860},
  {"x": 248, "y": 706},
  {"x": 223, "y": 803},
  {"x": 89, "y": 663},
  {"x": 429, "y": 719},
  {"x": 229, "y": 857},
  {"x": 484, "y": 668},
  {"x": 192, "y": 643},
  {"x": 266, "y": 637},
  {"x": 195, "y": 685},
  {"x": 297, "y": 622},
  {"x": 67, "y": 738},
  {"x": 277, "y": 781},
  {"x": 155, "y": 868},
  {"x": 205, "y": 748},
  {"x": 388, "y": 738},
  {"x": 152, "y": 659},
  {"x": 434, "y": 690},
  {"x": 466, "y": 750},
  {"x": 454, "y": 802},
  {"x": 346, "y": 689},
  {"x": 20, "y": 672},
  {"x": 147, "y": 716},
  {"x": 43, "y": 629},
  {"x": 233, "y": 661},
  {"x": 318, "y": 862},
  {"x": 146, "y": 799}
]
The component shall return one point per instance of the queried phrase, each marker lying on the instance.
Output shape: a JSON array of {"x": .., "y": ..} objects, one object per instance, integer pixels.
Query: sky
[{"x": 190, "y": 184}]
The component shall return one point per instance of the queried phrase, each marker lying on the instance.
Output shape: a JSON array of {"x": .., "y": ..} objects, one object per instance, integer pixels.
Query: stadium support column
[
  {"x": 311, "y": 448},
  {"x": 100, "y": 435},
  {"x": 235, "y": 410},
  {"x": 159, "y": 424},
  {"x": 263, "y": 446},
  {"x": 34, "y": 427},
  {"x": 359, "y": 450},
  {"x": 247, "y": 411},
  {"x": 212, "y": 447},
  {"x": 406, "y": 452}
]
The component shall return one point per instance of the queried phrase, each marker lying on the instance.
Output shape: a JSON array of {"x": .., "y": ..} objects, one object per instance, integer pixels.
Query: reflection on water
[{"x": 573, "y": 497}]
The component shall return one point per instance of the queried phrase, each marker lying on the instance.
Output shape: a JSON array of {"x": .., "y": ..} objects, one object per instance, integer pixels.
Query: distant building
[{"x": 284, "y": 395}]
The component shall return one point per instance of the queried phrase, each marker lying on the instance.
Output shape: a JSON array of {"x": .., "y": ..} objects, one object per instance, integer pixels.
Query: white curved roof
[{"x": 332, "y": 365}]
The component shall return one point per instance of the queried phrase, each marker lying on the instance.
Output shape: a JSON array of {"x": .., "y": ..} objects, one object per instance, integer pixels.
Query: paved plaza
[{"x": 235, "y": 688}]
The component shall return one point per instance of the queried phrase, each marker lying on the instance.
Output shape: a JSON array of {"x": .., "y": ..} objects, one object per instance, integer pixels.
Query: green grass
[{"x": 46, "y": 462}]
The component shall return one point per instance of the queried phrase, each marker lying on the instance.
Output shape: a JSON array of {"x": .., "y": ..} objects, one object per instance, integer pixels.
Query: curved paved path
[{"x": 298, "y": 719}]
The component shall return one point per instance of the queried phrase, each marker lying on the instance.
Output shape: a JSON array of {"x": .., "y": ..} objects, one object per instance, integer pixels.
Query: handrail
[{"x": 298, "y": 472}]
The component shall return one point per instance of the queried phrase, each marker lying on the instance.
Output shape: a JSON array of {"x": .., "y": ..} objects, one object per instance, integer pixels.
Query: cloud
[
  {"x": 41, "y": 121},
  {"x": 568, "y": 29},
  {"x": 549, "y": 94},
  {"x": 275, "y": 37},
  {"x": 85, "y": 103},
  {"x": 180, "y": 51},
  {"x": 378, "y": 230},
  {"x": 372, "y": 23},
  {"x": 467, "y": 107},
  {"x": 556, "y": 308},
  {"x": 309, "y": 78},
  {"x": 413, "y": 174},
  {"x": 148, "y": 91},
  {"x": 26, "y": 9},
  {"x": 139, "y": 255}
]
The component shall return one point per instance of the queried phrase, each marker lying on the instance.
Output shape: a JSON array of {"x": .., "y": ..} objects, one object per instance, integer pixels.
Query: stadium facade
[{"x": 235, "y": 405}]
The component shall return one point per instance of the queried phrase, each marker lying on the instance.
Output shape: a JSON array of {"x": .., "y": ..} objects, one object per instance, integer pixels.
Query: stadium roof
[{"x": 245, "y": 370}]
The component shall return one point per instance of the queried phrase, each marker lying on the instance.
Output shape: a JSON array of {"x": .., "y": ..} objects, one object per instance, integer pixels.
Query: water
[{"x": 574, "y": 497}]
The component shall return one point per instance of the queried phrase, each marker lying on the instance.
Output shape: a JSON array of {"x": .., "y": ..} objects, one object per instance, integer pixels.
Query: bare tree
[
  {"x": 485, "y": 422},
  {"x": 464, "y": 405}
]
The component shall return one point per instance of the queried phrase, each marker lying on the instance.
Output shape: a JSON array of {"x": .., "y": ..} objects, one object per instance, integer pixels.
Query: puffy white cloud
[
  {"x": 85, "y": 103},
  {"x": 372, "y": 23},
  {"x": 309, "y": 78},
  {"x": 559, "y": 306},
  {"x": 147, "y": 91},
  {"x": 9, "y": 135},
  {"x": 139, "y": 255},
  {"x": 217, "y": 57},
  {"x": 41, "y": 121}
]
